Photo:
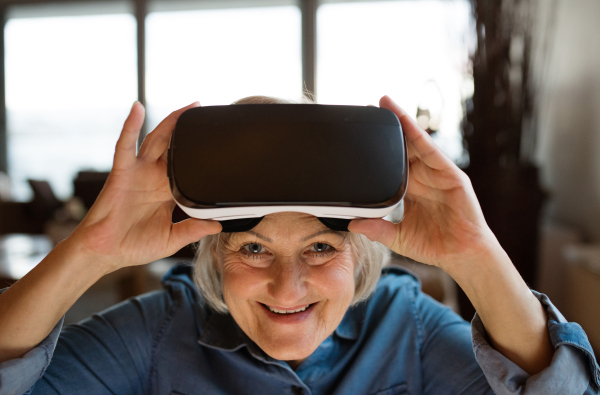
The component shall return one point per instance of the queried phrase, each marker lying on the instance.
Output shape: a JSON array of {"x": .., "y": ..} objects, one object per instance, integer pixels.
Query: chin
[{"x": 285, "y": 350}]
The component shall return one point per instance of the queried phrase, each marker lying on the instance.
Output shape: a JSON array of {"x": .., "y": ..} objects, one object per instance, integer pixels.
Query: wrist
[
  {"x": 80, "y": 259},
  {"x": 493, "y": 285},
  {"x": 482, "y": 251},
  {"x": 489, "y": 279}
]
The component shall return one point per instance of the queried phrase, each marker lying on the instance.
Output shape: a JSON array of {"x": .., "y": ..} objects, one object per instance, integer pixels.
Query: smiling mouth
[{"x": 283, "y": 312}]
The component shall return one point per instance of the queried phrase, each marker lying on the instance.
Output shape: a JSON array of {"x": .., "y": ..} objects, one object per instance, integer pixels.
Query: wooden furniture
[
  {"x": 582, "y": 293},
  {"x": 19, "y": 253},
  {"x": 18, "y": 217},
  {"x": 582, "y": 296}
]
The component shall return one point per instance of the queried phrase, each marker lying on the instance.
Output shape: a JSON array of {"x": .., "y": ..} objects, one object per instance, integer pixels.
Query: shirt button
[{"x": 297, "y": 390}]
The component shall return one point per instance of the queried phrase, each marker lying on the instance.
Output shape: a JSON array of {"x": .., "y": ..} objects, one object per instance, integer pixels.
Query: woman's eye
[
  {"x": 321, "y": 248},
  {"x": 253, "y": 248}
]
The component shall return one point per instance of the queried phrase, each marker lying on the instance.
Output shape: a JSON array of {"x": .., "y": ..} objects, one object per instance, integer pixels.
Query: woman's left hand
[{"x": 443, "y": 224}]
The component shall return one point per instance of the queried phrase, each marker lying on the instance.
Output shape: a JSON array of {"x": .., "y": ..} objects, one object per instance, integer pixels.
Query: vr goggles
[{"x": 237, "y": 163}]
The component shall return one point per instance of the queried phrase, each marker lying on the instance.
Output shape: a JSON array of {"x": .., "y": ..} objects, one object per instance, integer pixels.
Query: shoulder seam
[
  {"x": 156, "y": 339},
  {"x": 418, "y": 322},
  {"x": 413, "y": 301}
]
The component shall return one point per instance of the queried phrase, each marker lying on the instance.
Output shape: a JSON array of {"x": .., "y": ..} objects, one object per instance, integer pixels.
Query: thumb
[
  {"x": 191, "y": 230},
  {"x": 385, "y": 232}
]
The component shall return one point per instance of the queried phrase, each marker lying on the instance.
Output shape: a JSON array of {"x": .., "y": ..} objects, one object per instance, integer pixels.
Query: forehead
[
  {"x": 287, "y": 225},
  {"x": 289, "y": 220}
]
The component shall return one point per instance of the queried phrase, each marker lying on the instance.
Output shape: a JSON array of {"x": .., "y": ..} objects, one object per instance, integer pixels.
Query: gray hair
[{"x": 208, "y": 278}]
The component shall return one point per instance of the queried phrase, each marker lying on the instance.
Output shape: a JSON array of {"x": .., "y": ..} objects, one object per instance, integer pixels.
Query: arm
[
  {"x": 443, "y": 226},
  {"x": 30, "y": 309},
  {"x": 568, "y": 372},
  {"x": 129, "y": 224},
  {"x": 514, "y": 319},
  {"x": 457, "y": 357}
]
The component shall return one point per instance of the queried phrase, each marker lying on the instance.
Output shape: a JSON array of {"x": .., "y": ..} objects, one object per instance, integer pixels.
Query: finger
[
  {"x": 434, "y": 178},
  {"x": 420, "y": 143},
  {"x": 127, "y": 143},
  {"x": 190, "y": 231},
  {"x": 157, "y": 141},
  {"x": 376, "y": 229},
  {"x": 164, "y": 157},
  {"x": 411, "y": 151}
]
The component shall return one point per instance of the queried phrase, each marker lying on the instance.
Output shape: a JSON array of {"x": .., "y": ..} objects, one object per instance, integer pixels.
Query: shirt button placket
[{"x": 297, "y": 390}]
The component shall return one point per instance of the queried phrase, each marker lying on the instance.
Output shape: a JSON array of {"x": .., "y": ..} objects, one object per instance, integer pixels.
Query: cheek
[
  {"x": 241, "y": 282},
  {"x": 335, "y": 279}
]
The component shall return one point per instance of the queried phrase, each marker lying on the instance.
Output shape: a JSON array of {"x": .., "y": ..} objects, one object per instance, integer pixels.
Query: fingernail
[{"x": 133, "y": 105}]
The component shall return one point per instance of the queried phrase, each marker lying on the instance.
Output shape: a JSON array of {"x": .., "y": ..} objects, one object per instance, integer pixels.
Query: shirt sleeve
[
  {"x": 573, "y": 370},
  {"x": 110, "y": 352}
]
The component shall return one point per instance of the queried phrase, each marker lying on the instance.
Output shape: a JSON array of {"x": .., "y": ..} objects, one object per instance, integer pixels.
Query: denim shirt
[{"x": 399, "y": 341}]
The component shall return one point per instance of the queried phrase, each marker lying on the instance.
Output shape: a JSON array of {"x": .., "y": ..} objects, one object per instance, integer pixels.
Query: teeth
[{"x": 288, "y": 311}]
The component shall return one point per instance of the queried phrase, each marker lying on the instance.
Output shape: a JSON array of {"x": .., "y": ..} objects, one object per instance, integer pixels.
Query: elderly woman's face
[{"x": 288, "y": 283}]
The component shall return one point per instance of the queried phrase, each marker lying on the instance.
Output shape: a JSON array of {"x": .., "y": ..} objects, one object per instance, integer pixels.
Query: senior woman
[{"x": 290, "y": 307}]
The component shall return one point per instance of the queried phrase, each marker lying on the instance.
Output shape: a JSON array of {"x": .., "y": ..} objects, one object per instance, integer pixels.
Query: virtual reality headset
[{"x": 237, "y": 163}]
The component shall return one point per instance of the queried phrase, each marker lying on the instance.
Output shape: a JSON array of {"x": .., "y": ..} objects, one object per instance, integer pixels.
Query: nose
[{"x": 288, "y": 286}]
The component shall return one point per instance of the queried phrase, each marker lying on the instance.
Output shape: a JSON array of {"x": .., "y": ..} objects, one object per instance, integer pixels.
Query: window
[
  {"x": 217, "y": 56},
  {"x": 70, "y": 82},
  {"x": 416, "y": 52},
  {"x": 71, "y": 69}
]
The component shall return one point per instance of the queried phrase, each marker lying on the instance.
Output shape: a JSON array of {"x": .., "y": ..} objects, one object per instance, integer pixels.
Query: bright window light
[
  {"x": 70, "y": 82},
  {"x": 417, "y": 52},
  {"x": 219, "y": 56}
]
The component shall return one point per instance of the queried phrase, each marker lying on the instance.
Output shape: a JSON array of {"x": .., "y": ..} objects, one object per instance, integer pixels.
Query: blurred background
[{"x": 509, "y": 89}]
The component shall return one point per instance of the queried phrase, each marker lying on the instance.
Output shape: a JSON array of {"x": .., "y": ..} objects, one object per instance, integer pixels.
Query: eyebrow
[
  {"x": 303, "y": 239},
  {"x": 322, "y": 232},
  {"x": 259, "y": 236}
]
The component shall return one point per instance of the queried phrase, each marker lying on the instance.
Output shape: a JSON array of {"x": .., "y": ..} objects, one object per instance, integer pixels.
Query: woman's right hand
[{"x": 130, "y": 222}]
